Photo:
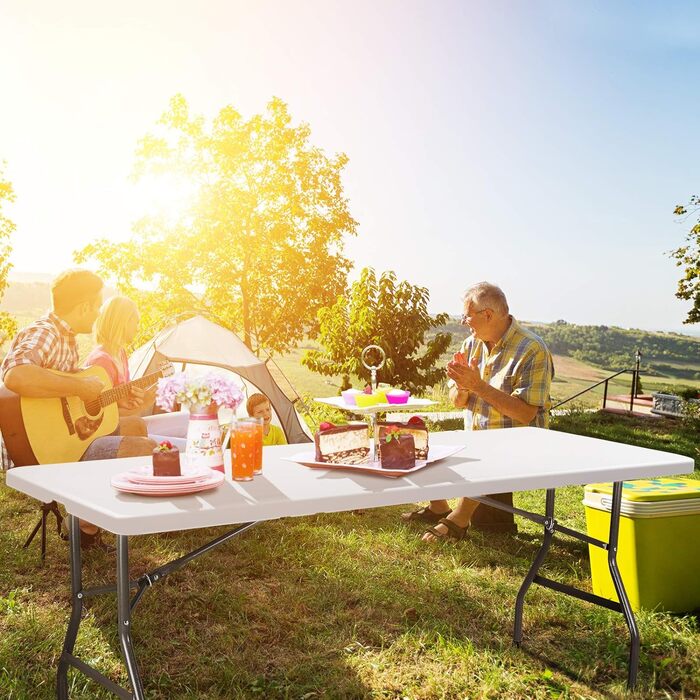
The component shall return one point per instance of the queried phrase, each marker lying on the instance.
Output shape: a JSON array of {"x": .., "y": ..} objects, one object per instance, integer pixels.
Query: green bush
[{"x": 439, "y": 426}]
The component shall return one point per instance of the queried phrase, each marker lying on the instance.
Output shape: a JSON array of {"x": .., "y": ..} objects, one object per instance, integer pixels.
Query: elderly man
[{"x": 502, "y": 377}]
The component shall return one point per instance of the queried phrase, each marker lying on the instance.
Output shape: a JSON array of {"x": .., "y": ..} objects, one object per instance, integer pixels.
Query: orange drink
[
  {"x": 257, "y": 443},
  {"x": 243, "y": 453}
]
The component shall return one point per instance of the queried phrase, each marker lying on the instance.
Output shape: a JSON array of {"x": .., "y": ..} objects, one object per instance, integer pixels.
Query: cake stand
[{"x": 371, "y": 411}]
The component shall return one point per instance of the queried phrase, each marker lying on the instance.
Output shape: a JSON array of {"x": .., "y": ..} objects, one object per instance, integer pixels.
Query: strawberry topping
[
  {"x": 326, "y": 425},
  {"x": 416, "y": 420}
]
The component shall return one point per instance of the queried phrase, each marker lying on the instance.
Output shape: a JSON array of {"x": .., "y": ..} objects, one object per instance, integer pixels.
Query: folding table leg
[
  {"x": 620, "y": 587},
  {"x": 536, "y": 564},
  {"x": 124, "y": 616},
  {"x": 76, "y": 607}
]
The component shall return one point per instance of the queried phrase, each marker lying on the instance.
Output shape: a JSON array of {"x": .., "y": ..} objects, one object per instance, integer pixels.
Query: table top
[
  {"x": 493, "y": 461},
  {"x": 339, "y": 403}
]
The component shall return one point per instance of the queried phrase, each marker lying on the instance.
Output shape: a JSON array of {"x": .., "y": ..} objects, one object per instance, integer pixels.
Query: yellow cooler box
[{"x": 658, "y": 549}]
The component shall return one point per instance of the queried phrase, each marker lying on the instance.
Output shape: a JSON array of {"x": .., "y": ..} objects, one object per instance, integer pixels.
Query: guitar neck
[{"x": 121, "y": 391}]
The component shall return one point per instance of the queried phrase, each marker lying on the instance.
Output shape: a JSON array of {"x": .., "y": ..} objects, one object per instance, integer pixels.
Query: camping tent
[{"x": 199, "y": 341}]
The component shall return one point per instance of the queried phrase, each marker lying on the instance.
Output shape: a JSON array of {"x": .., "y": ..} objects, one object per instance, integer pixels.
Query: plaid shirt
[
  {"x": 49, "y": 342},
  {"x": 519, "y": 364}
]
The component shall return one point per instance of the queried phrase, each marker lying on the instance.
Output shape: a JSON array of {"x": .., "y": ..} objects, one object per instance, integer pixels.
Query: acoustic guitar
[{"x": 51, "y": 431}]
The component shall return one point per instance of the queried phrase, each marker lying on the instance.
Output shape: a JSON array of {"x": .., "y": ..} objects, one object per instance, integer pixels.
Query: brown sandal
[
  {"x": 94, "y": 541},
  {"x": 425, "y": 515},
  {"x": 454, "y": 531}
]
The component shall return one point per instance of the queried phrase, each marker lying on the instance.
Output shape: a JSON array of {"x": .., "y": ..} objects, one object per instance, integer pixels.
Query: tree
[
  {"x": 259, "y": 247},
  {"x": 689, "y": 256},
  {"x": 8, "y": 326},
  {"x": 391, "y": 314}
]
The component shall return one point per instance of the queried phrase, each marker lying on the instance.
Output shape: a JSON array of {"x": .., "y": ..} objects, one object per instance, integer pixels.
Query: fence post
[
  {"x": 635, "y": 377},
  {"x": 605, "y": 393},
  {"x": 633, "y": 391}
]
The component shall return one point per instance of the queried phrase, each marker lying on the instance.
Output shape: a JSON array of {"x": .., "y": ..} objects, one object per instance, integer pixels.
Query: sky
[{"x": 540, "y": 145}]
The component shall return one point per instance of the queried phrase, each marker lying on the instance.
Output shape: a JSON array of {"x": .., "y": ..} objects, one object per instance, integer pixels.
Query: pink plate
[
  {"x": 121, "y": 482},
  {"x": 189, "y": 475}
]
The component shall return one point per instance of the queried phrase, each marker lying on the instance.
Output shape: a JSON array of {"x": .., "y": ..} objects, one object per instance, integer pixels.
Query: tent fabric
[{"x": 199, "y": 341}]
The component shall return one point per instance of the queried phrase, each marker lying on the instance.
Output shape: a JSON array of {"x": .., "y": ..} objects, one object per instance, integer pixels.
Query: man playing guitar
[{"x": 50, "y": 344}]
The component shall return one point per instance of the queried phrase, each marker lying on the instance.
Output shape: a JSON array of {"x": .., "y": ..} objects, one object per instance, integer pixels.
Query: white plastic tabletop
[{"x": 493, "y": 461}]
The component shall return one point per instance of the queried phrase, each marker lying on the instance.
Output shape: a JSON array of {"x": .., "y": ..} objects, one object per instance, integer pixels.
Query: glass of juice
[
  {"x": 243, "y": 441},
  {"x": 258, "y": 425}
]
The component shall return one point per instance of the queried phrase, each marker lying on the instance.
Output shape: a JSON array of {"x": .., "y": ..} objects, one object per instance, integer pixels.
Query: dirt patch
[{"x": 568, "y": 367}]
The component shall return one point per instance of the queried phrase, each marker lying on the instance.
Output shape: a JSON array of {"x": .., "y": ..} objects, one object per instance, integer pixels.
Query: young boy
[{"x": 258, "y": 406}]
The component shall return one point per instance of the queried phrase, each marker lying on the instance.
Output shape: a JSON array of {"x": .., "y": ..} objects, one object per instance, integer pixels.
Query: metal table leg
[
  {"x": 620, "y": 587},
  {"x": 551, "y": 526},
  {"x": 536, "y": 564},
  {"x": 124, "y": 616},
  {"x": 125, "y": 605},
  {"x": 76, "y": 608}
]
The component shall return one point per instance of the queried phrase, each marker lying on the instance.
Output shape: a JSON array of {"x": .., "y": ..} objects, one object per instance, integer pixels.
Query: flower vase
[{"x": 204, "y": 438}]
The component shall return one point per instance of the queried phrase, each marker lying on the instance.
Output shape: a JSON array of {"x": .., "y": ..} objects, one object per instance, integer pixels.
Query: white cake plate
[{"x": 435, "y": 453}]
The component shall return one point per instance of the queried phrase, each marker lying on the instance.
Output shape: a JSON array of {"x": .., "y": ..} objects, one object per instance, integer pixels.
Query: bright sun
[{"x": 165, "y": 195}]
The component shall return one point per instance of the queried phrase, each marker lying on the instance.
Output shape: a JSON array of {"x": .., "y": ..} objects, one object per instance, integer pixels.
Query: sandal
[
  {"x": 425, "y": 515},
  {"x": 454, "y": 531},
  {"x": 94, "y": 541}
]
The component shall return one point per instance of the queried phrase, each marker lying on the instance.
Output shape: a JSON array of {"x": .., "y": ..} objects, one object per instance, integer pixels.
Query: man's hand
[
  {"x": 460, "y": 358},
  {"x": 465, "y": 375},
  {"x": 90, "y": 388},
  {"x": 134, "y": 400}
]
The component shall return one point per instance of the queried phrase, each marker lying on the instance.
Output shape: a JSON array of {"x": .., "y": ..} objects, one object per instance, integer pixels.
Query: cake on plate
[
  {"x": 415, "y": 426},
  {"x": 166, "y": 460},
  {"x": 397, "y": 450},
  {"x": 342, "y": 444}
]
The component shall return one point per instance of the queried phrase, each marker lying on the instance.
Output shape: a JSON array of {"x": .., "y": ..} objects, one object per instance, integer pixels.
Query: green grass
[
  {"x": 667, "y": 434},
  {"x": 349, "y": 605}
]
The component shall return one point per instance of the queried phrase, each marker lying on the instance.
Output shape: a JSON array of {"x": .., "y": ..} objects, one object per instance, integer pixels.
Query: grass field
[{"x": 348, "y": 605}]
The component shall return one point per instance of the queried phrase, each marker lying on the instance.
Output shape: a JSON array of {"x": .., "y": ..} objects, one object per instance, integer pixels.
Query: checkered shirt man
[
  {"x": 519, "y": 364},
  {"x": 49, "y": 342}
]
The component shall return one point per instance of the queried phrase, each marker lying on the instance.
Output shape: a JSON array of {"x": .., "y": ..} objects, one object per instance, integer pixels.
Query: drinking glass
[
  {"x": 258, "y": 425},
  {"x": 243, "y": 452}
]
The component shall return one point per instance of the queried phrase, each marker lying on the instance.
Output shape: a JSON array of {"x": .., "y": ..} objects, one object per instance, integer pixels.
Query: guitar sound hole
[
  {"x": 86, "y": 427},
  {"x": 92, "y": 409}
]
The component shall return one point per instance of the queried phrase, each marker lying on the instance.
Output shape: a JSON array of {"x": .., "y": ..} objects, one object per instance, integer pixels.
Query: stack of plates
[{"x": 141, "y": 481}]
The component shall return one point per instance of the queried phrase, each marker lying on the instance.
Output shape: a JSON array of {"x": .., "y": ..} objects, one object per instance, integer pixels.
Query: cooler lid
[
  {"x": 652, "y": 490},
  {"x": 644, "y": 509}
]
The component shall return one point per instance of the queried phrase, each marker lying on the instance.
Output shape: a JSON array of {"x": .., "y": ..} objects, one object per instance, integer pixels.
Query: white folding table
[{"x": 492, "y": 461}]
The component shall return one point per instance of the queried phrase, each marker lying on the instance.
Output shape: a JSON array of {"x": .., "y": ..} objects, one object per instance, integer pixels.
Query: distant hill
[
  {"x": 608, "y": 347},
  {"x": 29, "y": 294},
  {"x": 612, "y": 348},
  {"x": 26, "y": 298}
]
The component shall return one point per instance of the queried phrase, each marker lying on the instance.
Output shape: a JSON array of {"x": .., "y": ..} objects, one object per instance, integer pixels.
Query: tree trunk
[{"x": 246, "y": 315}]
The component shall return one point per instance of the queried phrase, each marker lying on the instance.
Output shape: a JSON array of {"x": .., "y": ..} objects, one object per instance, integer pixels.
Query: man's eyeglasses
[{"x": 468, "y": 317}]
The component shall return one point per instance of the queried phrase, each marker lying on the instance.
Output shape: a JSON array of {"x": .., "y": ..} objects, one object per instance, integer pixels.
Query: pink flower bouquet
[{"x": 209, "y": 389}]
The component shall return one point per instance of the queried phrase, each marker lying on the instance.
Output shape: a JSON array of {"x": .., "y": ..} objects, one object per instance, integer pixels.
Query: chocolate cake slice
[
  {"x": 397, "y": 452},
  {"x": 415, "y": 427},
  {"x": 342, "y": 444},
  {"x": 166, "y": 460}
]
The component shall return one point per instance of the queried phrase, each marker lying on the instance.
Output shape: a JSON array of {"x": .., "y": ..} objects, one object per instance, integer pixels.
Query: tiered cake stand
[{"x": 372, "y": 411}]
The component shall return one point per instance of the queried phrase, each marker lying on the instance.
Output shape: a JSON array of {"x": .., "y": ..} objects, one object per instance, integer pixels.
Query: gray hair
[{"x": 485, "y": 295}]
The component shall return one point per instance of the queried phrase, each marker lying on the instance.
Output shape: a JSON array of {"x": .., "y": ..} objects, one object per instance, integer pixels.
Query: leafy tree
[
  {"x": 384, "y": 312},
  {"x": 688, "y": 256},
  {"x": 8, "y": 325},
  {"x": 260, "y": 246}
]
